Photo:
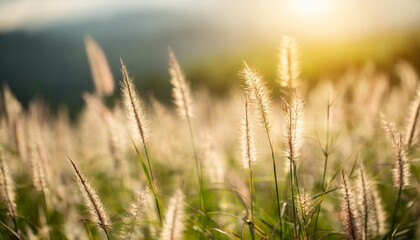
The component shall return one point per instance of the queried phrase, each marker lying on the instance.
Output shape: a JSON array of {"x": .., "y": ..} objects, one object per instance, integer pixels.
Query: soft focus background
[
  {"x": 359, "y": 61},
  {"x": 42, "y": 51}
]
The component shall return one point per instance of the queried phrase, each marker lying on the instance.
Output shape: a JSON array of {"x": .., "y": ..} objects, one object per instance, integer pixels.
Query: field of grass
[{"x": 336, "y": 160}]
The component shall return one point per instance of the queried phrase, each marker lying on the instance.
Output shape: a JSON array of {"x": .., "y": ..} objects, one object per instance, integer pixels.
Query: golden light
[{"x": 311, "y": 9}]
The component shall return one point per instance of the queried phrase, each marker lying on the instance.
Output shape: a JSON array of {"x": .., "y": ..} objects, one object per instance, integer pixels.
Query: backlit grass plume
[
  {"x": 180, "y": 90},
  {"x": 370, "y": 207},
  {"x": 101, "y": 73},
  {"x": 97, "y": 211},
  {"x": 15, "y": 121},
  {"x": 247, "y": 140},
  {"x": 11, "y": 106},
  {"x": 304, "y": 204},
  {"x": 135, "y": 112},
  {"x": 38, "y": 174},
  {"x": 258, "y": 94},
  {"x": 7, "y": 189},
  {"x": 401, "y": 170},
  {"x": 174, "y": 224},
  {"x": 288, "y": 63},
  {"x": 349, "y": 215},
  {"x": 37, "y": 156},
  {"x": 412, "y": 130},
  {"x": 248, "y": 156},
  {"x": 182, "y": 98},
  {"x": 402, "y": 167},
  {"x": 293, "y": 128},
  {"x": 132, "y": 221},
  {"x": 133, "y": 107}
]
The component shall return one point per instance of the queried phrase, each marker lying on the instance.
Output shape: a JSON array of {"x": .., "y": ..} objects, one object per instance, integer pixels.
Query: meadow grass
[{"x": 245, "y": 166}]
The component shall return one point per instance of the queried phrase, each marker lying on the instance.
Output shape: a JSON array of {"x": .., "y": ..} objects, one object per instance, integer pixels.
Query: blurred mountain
[{"x": 50, "y": 63}]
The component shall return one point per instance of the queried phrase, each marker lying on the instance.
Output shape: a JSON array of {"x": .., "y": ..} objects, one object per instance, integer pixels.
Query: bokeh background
[{"x": 42, "y": 53}]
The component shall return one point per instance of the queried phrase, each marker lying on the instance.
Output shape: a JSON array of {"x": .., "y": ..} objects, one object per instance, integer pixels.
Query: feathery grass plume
[
  {"x": 349, "y": 216},
  {"x": 391, "y": 130},
  {"x": 7, "y": 189},
  {"x": 304, "y": 204},
  {"x": 258, "y": 94},
  {"x": 132, "y": 221},
  {"x": 174, "y": 224},
  {"x": 248, "y": 156},
  {"x": 363, "y": 202},
  {"x": 38, "y": 174},
  {"x": 135, "y": 112},
  {"x": 101, "y": 73},
  {"x": 134, "y": 107},
  {"x": 11, "y": 105},
  {"x": 115, "y": 131},
  {"x": 181, "y": 92},
  {"x": 289, "y": 63},
  {"x": 412, "y": 130},
  {"x": 38, "y": 167},
  {"x": 41, "y": 171},
  {"x": 117, "y": 141},
  {"x": 401, "y": 176},
  {"x": 213, "y": 162},
  {"x": 20, "y": 137},
  {"x": 96, "y": 209},
  {"x": 378, "y": 214},
  {"x": 401, "y": 170},
  {"x": 247, "y": 140},
  {"x": 293, "y": 128},
  {"x": 408, "y": 76},
  {"x": 16, "y": 123},
  {"x": 369, "y": 207}
]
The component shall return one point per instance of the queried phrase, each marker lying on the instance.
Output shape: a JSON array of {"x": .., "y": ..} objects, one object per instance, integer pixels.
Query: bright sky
[{"x": 300, "y": 17}]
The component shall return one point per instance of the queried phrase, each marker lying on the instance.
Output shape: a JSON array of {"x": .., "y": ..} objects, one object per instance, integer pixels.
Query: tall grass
[{"x": 319, "y": 155}]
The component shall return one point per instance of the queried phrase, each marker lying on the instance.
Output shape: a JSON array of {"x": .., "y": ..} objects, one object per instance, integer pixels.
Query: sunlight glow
[{"x": 311, "y": 10}]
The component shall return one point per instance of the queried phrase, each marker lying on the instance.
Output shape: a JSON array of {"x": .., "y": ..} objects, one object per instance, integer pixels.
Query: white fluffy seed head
[
  {"x": 37, "y": 155},
  {"x": 101, "y": 73},
  {"x": 378, "y": 214},
  {"x": 401, "y": 176},
  {"x": 7, "y": 190},
  {"x": 258, "y": 95},
  {"x": 174, "y": 225},
  {"x": 132, "y": 221},
  {"x": 390, "y": 130},
  {"x": 11, "y": 105},
  {"x": 402, "y": 168},
  {"x": 288, "y": 63},
  {"x": 92, "y": 200},
  {"x": 212, "y": 159},
  {"x": 38, "y": 175},
  {"x": 349, "y": 214},
  {"x": 247, "y": 140},
  {"x": 369, "y": 206},
  {"x": 117, "y": 144},
  {"x": 134, "y": 107},
  {"x": 181, "y": 92},
  {"x": 304, "y": 203},
  {"x": 412, "y": 128},
  {"x": 293, "y": 128}
]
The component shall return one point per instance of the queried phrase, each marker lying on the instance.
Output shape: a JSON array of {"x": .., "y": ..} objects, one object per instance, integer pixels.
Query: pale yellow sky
[{"x": 302, "y": 18}]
